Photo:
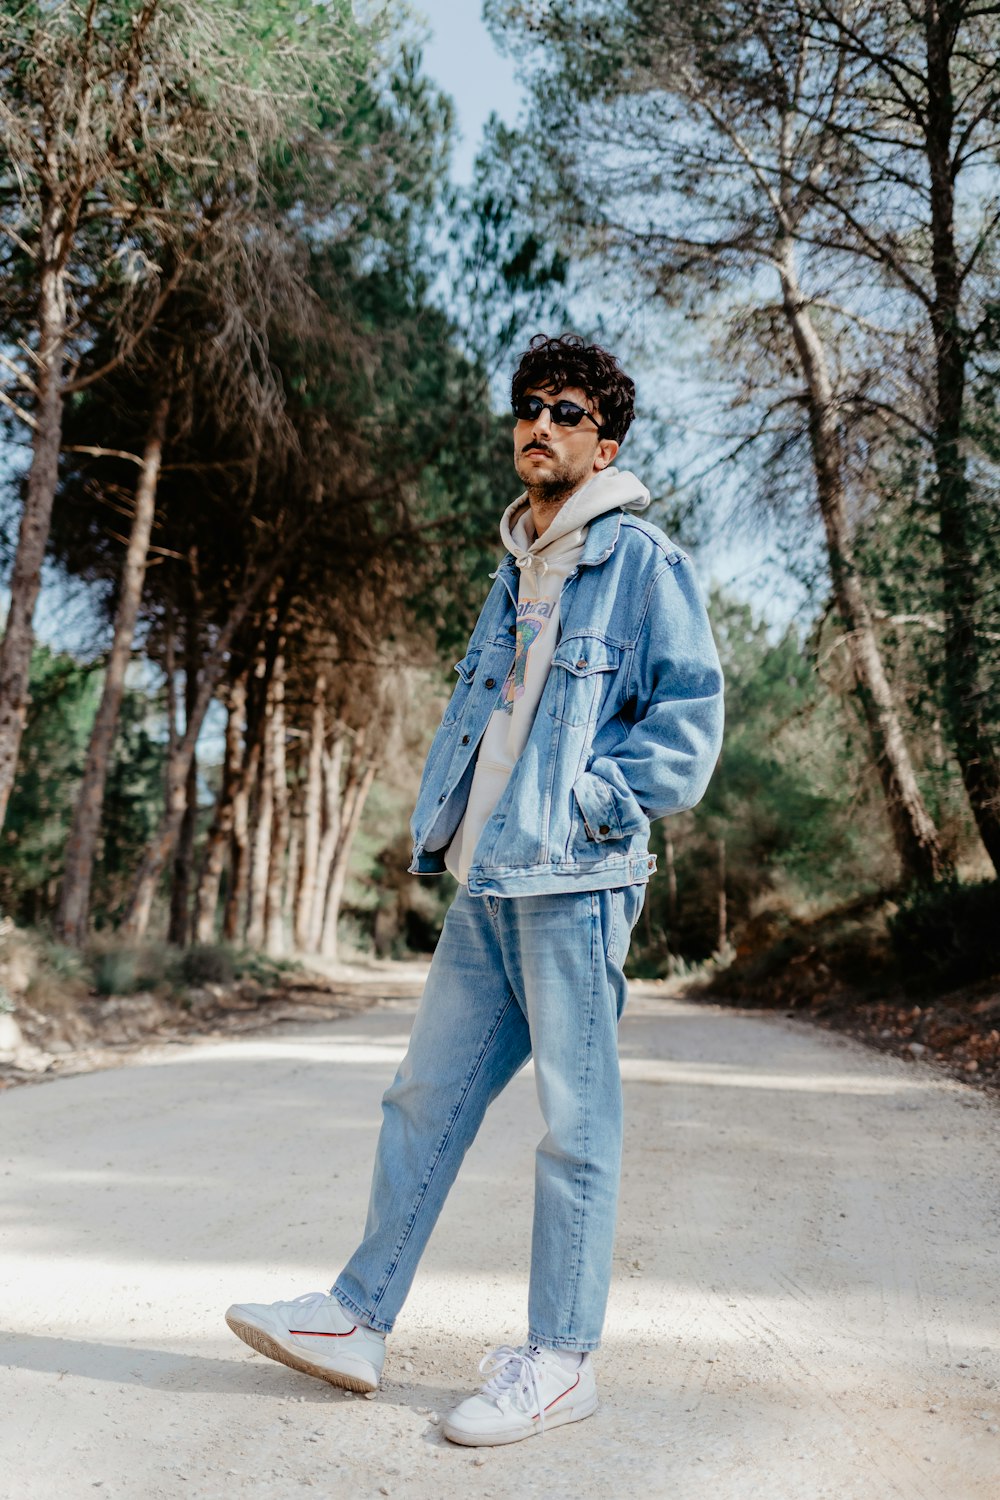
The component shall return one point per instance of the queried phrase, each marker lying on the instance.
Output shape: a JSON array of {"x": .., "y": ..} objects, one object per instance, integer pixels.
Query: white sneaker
[
  {"x": 315, "y": 1335},
  {"x": 528, "y": 1389}
]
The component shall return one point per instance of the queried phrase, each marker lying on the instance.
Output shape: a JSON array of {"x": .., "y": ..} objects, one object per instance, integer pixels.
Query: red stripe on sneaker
[
  {"x": 312, "y": 1333},
  {"x": 559, "y": 1397}
]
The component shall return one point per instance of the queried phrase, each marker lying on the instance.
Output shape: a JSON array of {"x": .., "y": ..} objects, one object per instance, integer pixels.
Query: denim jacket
[{"x": 628, "y": 728}]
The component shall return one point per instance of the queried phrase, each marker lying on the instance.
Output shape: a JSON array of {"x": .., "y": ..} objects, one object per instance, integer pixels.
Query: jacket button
[
  {"x": 512, "y": 630},
  {"x": 604, "y": 829},
  {"x": 465, "y": 739},
  {"x": 582, "y": 662},
  {"x": 491, "y": 682},
  {"x": 443, "y": 797}
]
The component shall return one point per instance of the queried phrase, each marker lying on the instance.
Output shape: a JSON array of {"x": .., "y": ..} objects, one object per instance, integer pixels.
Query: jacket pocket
[
  {"x": 606, "y": 813},
  {"x": 583, "y": 669},
  {"x": 466, "y": 669}
]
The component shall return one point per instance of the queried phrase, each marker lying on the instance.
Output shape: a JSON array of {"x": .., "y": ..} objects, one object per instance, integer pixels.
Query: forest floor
[
  {"x": 62, "y": 1030},
  {"x": 804, "y": 1302},
  {"x": 840, "y": 972},
  {"x": 838, "y": 978}
]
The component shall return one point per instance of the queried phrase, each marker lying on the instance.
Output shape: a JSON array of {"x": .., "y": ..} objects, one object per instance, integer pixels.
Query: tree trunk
[
  {"x": 72, "y": 917},
  {"x": 312, "y": 815},
  {"x": 332, "y": 808},
  {"x": 914, "y": 831},
  {"x": 723, "y": 923},
  {"x": 966, "y": 692},
  {"x": 359, "y": 784},
  {"x": 668, "y": 857},
  {"x": 293, "y": 872},
  {"x": 260, "y": 856},
  {"x": 18, "y": 640},
  {"x": 160, "y": 847},
  {"x": 257, "y": 687},
  {"x": 239, "y": 862},
  {"x": 221, "y": 832},
  {"x": 183, "y": 869},
  {"x": 274, "y": 932}
]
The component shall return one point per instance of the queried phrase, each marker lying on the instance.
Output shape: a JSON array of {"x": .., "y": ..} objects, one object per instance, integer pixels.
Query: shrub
[
  {"x": 206, "y": 963},
  {"x": 124, "y": 971},
  {"x": 62, "y": 961},
  {"x": 115, "y": 973},
  {"x": 949, "y": 932},
  {"x": 258, "y": 967}
]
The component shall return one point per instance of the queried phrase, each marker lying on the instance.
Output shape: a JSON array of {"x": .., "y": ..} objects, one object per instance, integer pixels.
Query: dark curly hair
[{"x": 550, "y": 364}]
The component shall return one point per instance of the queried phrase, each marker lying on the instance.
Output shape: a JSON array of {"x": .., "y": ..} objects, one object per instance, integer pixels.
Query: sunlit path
[{"x": 804, "y": 1305}]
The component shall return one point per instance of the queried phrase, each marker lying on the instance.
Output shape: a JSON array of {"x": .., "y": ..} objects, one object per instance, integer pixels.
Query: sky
[{"x": 461, "y": 57}]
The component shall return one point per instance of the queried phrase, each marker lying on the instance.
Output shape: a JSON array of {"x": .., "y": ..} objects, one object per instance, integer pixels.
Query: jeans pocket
[{"x": 626, "y": 904}]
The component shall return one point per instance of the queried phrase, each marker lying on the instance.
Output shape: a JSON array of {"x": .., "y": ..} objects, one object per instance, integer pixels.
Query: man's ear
[{"x": 607, "y": 448}]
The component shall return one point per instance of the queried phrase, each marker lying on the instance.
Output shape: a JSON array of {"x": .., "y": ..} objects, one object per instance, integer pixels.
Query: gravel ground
[{"x": 805, "y": 1303}]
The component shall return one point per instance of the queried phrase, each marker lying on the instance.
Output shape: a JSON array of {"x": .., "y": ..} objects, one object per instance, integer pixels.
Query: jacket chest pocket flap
[
  {"x": 466, "y": 669},
  {"x": 584, "y": 669}
]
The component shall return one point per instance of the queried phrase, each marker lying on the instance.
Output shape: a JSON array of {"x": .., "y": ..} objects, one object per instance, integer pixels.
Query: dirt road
[{"x": 806, "y": 1301}]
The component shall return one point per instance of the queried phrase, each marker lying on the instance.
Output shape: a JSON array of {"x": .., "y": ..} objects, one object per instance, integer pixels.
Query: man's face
[{"x": 552, "y": 461}]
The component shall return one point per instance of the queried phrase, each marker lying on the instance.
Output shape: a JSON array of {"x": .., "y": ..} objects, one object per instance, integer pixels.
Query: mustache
[{"x": 536, "y": 448}]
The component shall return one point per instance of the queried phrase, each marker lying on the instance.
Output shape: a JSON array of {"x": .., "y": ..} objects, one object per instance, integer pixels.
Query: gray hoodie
[{"x": 545, "y": 563}]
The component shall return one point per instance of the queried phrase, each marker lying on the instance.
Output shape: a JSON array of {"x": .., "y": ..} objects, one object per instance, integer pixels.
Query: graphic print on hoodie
[
  {"x": 544, "y": 563},
  {"x": 532, "y": 617}
]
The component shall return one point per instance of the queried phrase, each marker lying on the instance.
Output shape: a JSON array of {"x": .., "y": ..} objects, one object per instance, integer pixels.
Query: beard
[{"x": 555, "y": 486}]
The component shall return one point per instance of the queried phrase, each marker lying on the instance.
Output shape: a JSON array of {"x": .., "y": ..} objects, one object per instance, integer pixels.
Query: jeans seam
[
  {"x": 583, "y": 1147},
  {"x": 610, "y": 945},
  {"x": 439, "y": 1149}
]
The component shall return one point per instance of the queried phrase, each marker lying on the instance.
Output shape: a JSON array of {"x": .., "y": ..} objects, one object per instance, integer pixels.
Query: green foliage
[
  {"x": 64, "y": 698},
  {"x": 63, "y": 962},
  {"x": 248, "y": 963},
  {"x": 948, "y": 934},
  {"x": 118, "y": 969},
  {"x": 206, "y": 963},
  {"x": 127, "y": 970},
  {"x": 133, "y": 802},
  {"x": 783, "y": 802}
]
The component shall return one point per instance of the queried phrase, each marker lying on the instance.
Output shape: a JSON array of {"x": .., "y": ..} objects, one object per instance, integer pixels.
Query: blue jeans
[{"x": 529, "y": 976}]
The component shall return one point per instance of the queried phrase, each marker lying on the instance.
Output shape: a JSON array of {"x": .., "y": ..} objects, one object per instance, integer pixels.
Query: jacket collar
[{"x": 602, "y": 539}]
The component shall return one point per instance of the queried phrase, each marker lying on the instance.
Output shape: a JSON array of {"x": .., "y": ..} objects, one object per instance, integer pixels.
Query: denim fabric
[
  {"x": 540, "y": 976},
  {"x": 628, "y": 727}
]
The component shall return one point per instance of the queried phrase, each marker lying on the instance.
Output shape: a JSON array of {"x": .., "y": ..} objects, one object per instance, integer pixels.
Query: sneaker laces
[
  {"x": 309, "y": 1302},
  {"x": 514, "y": 1372}
]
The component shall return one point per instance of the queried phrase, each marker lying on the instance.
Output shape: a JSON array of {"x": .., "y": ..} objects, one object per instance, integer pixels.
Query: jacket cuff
[{"x": 606, "y": 814}]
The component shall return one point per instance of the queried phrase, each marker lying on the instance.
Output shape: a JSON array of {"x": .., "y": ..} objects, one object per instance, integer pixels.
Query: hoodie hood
[{"x": 611, "y": 489}]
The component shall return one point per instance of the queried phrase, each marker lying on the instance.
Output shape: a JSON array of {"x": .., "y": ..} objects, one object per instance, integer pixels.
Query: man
[{"x": 589, "y": 701}]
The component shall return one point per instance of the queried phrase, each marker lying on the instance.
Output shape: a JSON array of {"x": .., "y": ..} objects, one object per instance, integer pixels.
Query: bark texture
[
  {"x": 183, "y": 863},
  {"x": 260, "y": 847},
  {"x": 72, "y": 917},
  {"x": 220, "y": 834},
  {"x": 967, "y": 699},
  {"x": 312, "y": 815},
  {"x": 357, "y": 785},
  {"x": 274, "y": 928},
  {"x": 332, "y": 806},
  {"x": 18, "y": 640},
  {"x": 914, "y": 832},
  {"x": 160, "y": 847}
]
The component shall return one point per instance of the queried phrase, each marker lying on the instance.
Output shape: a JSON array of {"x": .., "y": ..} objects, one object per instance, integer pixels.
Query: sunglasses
[{"x": 564, "y": 413}]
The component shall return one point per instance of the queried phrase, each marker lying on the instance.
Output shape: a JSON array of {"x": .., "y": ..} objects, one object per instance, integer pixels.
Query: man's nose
[{"x": 542, "y": 424}]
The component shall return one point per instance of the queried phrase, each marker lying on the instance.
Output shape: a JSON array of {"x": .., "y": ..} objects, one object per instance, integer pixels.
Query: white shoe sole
[
  {"x": 485, "y": 1438},
  {"x": 353, "y": 1374}
]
